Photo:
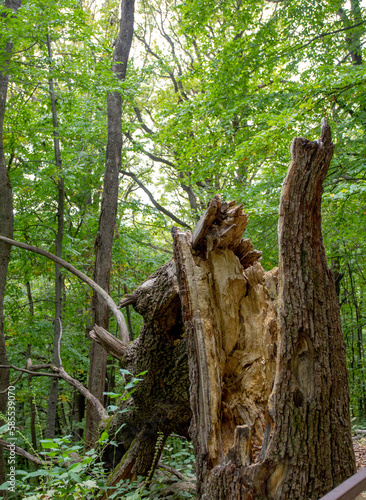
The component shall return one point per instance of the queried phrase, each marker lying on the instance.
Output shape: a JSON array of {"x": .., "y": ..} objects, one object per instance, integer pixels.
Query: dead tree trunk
[
  {"x": 306, "y": 448},
  {"x": 269, "y": 404}
]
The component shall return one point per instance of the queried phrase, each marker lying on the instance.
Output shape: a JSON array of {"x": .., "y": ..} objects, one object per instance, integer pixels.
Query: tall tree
[
  {"x": 56, "y": 356},
  {"x": 107, "y": 220},
  {"x": 6, "y": 216}
]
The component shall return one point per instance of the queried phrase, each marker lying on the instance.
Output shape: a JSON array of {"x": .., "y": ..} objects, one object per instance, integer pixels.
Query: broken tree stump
[
  {"x": 253, "y": 361},
  {"x": 258, "y": 362}
]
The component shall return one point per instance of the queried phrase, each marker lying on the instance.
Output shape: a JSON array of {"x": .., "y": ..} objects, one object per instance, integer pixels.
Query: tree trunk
[
  {"x": 269, "y": 398},
  {"x": 107, "y": 220},
  {"x": 56, "y": 356},
  {"x": 78, "y": 415},
  {"x": 29, "y": 349},
  {"x": 306, "y": 447},
  {"x": 6, "y": 229}
]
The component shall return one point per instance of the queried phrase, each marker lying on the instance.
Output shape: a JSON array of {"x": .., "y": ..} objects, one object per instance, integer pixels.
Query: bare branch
[
  {"x": 34, "y": 374},
  {"x": 328, "y": 34},
  {"x": 154, "y": 202},
  {"x": 111, "y": 344},
  {"x": 143, "y": 126},
  {"x": 107, "y": 298},
  {"x": 147, "y": 153},
  {"x": 79, "y": 386},
  {"x": 155, "y": 247},
  {"x": 61, "y": 373},
  {"x": 171, "y": 470},
  {"x": 23, "y": 453}
]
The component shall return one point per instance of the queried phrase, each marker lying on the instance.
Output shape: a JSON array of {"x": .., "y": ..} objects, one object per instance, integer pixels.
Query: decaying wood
[
  {"x": 264, "y": 370},
  {"x": 266, "y": 397},
  {"x": 230, "y": 317},
  {"x": 111, "y": 344},
  {"x": 160, "y": 403}
]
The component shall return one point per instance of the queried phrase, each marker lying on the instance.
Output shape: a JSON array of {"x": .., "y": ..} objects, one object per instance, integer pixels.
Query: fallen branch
[
  {"x": 23, "y": 453},
  {"x": 79, "y": 386},
  {"x": 61, "y": 373},
  {"x": 34, "y": 374},
  {"x": 171, "y": 470},
  {"x": 98, "y": 289},
  {"x": 111, "y": 344}
]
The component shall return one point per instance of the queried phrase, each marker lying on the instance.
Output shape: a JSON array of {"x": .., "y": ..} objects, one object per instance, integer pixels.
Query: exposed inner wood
[
  {"x": 229, "y": 310},
  {"x": 266, "y": 398}
]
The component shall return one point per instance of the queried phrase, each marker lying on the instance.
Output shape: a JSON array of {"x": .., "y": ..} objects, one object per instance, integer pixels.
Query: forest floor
[{"x": 360, "y": 452}]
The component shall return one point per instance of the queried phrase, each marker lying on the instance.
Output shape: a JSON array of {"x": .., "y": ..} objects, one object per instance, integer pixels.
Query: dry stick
[
  {"x": 171, "y": 470},
  {"x": 107, "y": 298},
  {"x": 23, "y": 453},
  {"x": 75, "y": 383},
  {"x": 61, "y": 373},
  {"x": 111, "y": 344},
  {"x": 34, "y": 374}
]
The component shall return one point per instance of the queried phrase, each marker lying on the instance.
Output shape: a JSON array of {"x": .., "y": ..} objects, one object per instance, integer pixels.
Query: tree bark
[
  {"x": 6, "y": 229},
  {"x": 160, "y": 404},
  {"x": 107, "y": 220},
  {"x": 56, "y": 356},
  {"x": 305, "y": 440},
  {"x": 267, "y": 398}
]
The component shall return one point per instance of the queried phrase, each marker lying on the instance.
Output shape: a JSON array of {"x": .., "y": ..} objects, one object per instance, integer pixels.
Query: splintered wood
[
  {"x": 267, "y": 364},
  {"x": 228, "y": 303}
]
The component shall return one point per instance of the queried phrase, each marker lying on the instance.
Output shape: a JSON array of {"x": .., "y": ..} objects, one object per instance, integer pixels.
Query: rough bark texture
[
  {"x": 161, "y": 402},
  {"x": 107, "y": 220},
  {"x": 306, "y": 446},
  {"x": 6, "y": 229},
  {"x": 310, "y": 400},
  {"x": 269, "y": 403}
]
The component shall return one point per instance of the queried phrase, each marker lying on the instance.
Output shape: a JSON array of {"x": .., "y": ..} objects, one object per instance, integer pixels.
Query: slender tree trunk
[
  {"x": 78, "y": 415},
  {"x": 129, "y": 322},
  {"x": 107, "y": 220},
  {"x": 360, "y": 349},
  {"x": 31, "y": 400},
  {"x": 6, "y": 229},
  {"x": 56, "y": 359}
]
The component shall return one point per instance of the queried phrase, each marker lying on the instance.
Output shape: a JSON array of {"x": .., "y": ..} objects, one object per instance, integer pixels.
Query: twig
[{"x": 171, "y": 470}]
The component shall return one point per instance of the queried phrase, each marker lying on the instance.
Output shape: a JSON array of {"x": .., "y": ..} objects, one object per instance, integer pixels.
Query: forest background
[{"x": 213, "y": 96}]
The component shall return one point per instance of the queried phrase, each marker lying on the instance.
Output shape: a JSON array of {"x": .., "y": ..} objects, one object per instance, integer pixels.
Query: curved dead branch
[{"x": 98, "y": 289}]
